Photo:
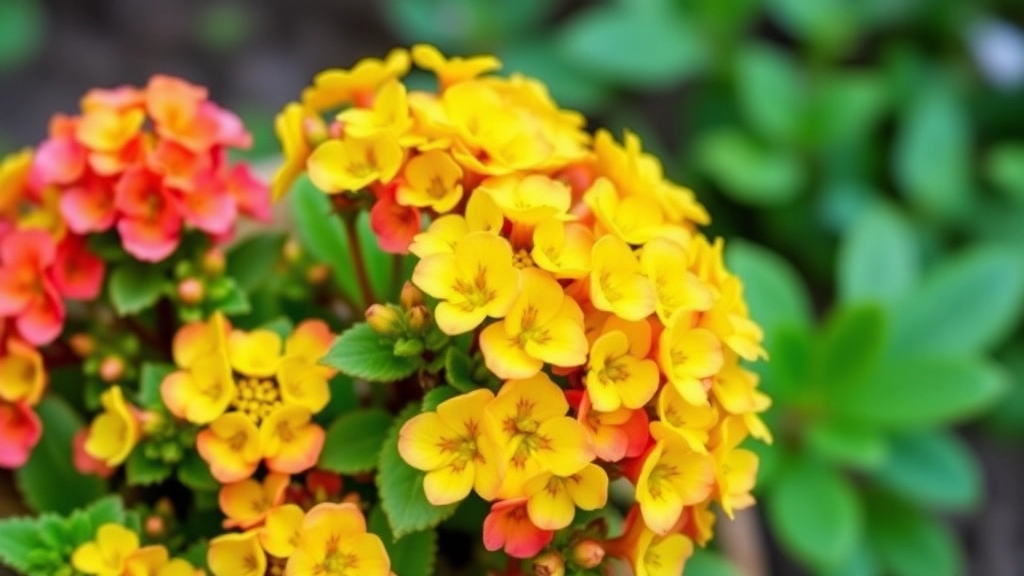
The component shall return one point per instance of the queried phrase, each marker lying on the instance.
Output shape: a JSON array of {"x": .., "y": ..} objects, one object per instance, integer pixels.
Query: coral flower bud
[
  {"x": 588, "y": 554},
  {"x": 419, "y": 318},
  {"x": 82, "y": 344},
  {"x": 317, "y": 274},
  {"x": 550, "y": 564},
  {"x": 154, "y": 526},
  {"x": 214, "y": 262},
  {"x": 411, "y": 296},
  {"x": 111, "y": 369},
  {"x": 191, "y": 291},
  {"x": 384, "y": 319}
]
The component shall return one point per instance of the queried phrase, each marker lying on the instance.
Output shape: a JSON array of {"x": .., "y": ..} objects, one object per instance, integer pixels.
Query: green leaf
[
  {"x": 771, "y": 92},
  {"x": 1004, "y": 168},
  {"x": 970, "y": 304},
  {"x": 45, "y": 478},
  {"x": 135, "y": 286},
  {"x": 413, "y": 554},
  {"x": 848, "y": 444},
  {"x": 861, "y": 563},
  {"x": 106, "y": 510},
  {"x": 379, "y": 265},
  {"x": 194, "y": 472},
  {"x": 879, "y": 258},
  {"x": 322, "y": 235},
  {"x": 438, "y": 395},
  {"x": 20, "y": 539},
  {"x": 22, "y": 32},
  {"x": 934, "y": 469},
  {"x": 932, "y": 152},
  {"x": 252, "y": 261},
  {"x": 362, "y": 353},
  {"x": 458, "y": 370},
  {"x": 846, "y": 108},
  {"x": 401, "y": 487},
  {"x": 749, "y": 172},
  {"x": 141, "y": 470},
  {"x": 852, "y": 344},
  {"x": 461, "y": 25},
  {"x": 195, "y": 554},
  {"x": 231, "y": 299},
  {"x": 354, "y": 441},
  {"x": 152, "y": 376},
  {"x": 774, "y": 292},
  {"x": 708, "y": 563},
  {"x": 790, "y": 371},
  {"x": 830, "y": 24},
  {"x": 921, "y": 392},
  {"x": 635, "y": 44},
  {"x": 815, "y": 513},
  {"x": 909, "y": 543}
]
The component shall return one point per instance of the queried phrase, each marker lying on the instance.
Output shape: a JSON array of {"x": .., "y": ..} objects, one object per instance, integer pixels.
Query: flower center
[{"x": 257, "y": 398}]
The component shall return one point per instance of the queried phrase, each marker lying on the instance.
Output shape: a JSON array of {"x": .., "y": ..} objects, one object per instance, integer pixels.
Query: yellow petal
[{"x": 255, "y": 353}]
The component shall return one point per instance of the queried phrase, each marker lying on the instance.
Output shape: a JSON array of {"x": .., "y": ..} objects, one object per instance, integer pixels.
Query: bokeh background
[{"x": 865, "y": 159}]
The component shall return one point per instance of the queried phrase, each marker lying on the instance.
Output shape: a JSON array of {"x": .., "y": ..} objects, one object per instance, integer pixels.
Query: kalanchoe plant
[{"x": 499, "y": 342}]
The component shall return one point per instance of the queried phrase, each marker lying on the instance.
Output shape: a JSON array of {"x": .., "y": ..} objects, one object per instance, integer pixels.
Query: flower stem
[{"x": 356, "y": 248}]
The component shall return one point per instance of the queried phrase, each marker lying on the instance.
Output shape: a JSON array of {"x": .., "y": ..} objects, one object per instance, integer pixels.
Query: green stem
[{"x": 355, "y": 247}]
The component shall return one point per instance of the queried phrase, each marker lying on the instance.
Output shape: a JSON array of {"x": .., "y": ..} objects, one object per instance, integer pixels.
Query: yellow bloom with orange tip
[
  {"x": 672, "y": 476},
  {"x": 108, "y": 130},
  {"x": 237, "y": 554},
  {"x": 527, "y": 419},
  {"x": 245, "y": 504},
  {"x": 552, "y": 500},
  {"x": 280, "y": 532},
  {"x": 336, "y": 87},
  {"x": 617, "y": 283},
  {"x": 350, "y": 164},
  {"x": 22, "y": 374},
  {"x": 231, "y": 446},
  {"x": 293, "y": 125},
  {"x": 562, "y": 248},
  {"x": 542, "y": 326},
  {"x": 204, "y": 388},
  {"x": 688, "y": 355},
  {"x": 431, "y": 179},
  {"x": 691, "y": 422},
  {"x": 290, "y": 440},
  {"x": 476, "y": 280},
  {"x": 676, "y": 289},
  {"x": 451, "y": 446},
  {"x": 333, "y": 541},
  {"x": 115, "y": 431},
  {"x": 528, "y": 199},
  {"x": 254, "y": 353},
  {"x": 310, "y": 340},
  {"x": 108, "y": 553},
  {"x": 482, "y": 215},
  {"x": 618, "y": 371},
  {"x": 453, "y": 70}
]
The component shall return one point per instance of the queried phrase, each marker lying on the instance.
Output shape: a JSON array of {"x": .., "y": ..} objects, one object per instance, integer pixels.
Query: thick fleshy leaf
[
  {"x": 354, "y": 441},
  {"x": 362, "y": 353}
]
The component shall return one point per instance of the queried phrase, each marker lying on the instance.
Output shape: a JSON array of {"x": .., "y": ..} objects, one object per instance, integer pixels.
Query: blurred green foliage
[{"x": 875, "y": 173}]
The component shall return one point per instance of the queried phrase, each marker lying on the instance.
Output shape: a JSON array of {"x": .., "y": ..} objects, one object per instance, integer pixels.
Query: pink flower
[
  {"x": 508, "y": 527},
  {"x": 251, "y": 195},
  {"x": 150, "y": 225},
  {"x": 77, "y": 273},
  {"x": 20, "y": 430},
  {"x": 27, "y": 292},
  {"x": 394, "y": 224}
]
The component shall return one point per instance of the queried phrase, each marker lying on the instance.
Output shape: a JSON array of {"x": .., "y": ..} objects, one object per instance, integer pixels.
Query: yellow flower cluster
[
  {"x": 585, "y": 281},
  {"x": 116, "y": 551}
]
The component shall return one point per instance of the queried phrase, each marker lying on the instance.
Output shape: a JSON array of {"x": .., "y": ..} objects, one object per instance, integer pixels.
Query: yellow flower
[
  {"x": 14, "y": 171},
  {"x": 155, "y": 561},
  {"x": 482, "y": 215},
  {"x": 673, "y": 476},
  {"x": 633, "y": 219},
  {"x": 676, "y": 289},
  {"x": 388, "y": 114},
  {"x": 280, "y": 533},
  {"x": 237, "y": 554},
  {"x": 431, "y": 179},
  {"x": 562, "y": 248},
  {"x": 293, "y": 126},
  {"x": 553, "y": 499},
  {"x": 204, "y": 388},
  {"x": 333, "y": 88},
  {"x": 617, "y": 284},
  {"x": 246, "y": 503},
  {"x": 691, "y": 422},
  {"x": 542, "y": 326},
  {"x": 618, "y": 374},
  {"x": 529, "y": 199},
  {"x": 351, "y": 164},
  {"x": 115, "y": 432},
  {"x": 451, "y": 447},
  {"x": 108, "y": 554},
  {"x": 688, "y": 355},
  {"x": 22, "y": 375},
  {"x": 290, "y": 440},
  {"x": 231, "y": 446},
  {"x": 451, "y": 71},
  {"x": 333, "y": 541},
  {"x": 476, "y": 280}
]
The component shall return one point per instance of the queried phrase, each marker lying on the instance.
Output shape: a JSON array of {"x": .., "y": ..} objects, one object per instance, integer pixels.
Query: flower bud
[
  {"x": 292, "y": 251},
  {"x": 111, "y": 369},
  {"x": 191, "y": 291},
  {"x": 549, "y": 564},
  {"x": 587, "y": 553},
  {"x": 317, "y": 274},
  {"x": 214, "y": 262},
  {"x": 82, "y": 344},
  {"x": 419, "y": 319},
  {"x": 411, "y": 296},
  {"x": 384, "y": 319},
  {"x": 154, "y": 526}
]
